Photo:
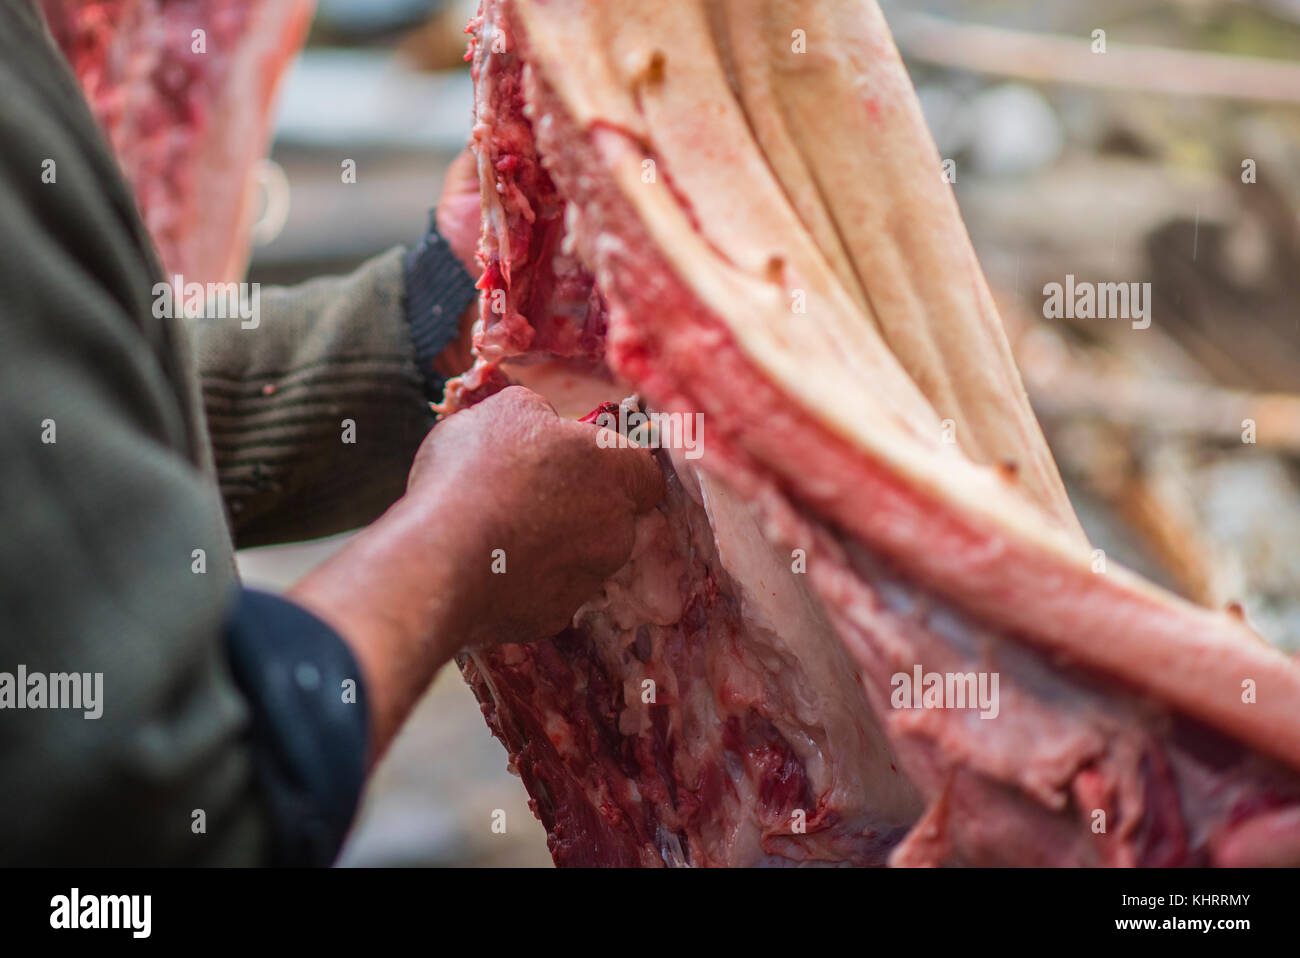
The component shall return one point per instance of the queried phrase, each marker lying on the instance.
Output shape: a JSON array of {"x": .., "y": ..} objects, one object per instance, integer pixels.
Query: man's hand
[
  {"x": 458, "y": 222},
  {"x": 541, "y": 515},
  {"x": 458, "y": 213},
  {"x": 506, "y": 485}
]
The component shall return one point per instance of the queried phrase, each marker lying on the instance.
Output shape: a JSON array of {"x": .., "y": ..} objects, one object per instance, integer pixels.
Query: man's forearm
[{"x": 392, "y": 594}]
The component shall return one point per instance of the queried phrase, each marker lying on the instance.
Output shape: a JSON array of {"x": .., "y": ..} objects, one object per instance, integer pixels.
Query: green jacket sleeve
[
  {"x": 115, "y": 561},
  {"x": 315, "y": 405}
]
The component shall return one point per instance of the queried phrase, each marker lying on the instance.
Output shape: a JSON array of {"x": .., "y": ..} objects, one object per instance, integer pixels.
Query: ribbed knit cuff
[
  {"x": 438, "y": 291},
  {"x": 310, "y": 723}
]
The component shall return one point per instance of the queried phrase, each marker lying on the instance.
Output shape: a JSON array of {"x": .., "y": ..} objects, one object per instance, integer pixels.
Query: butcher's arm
[
  {"x": 512, "y": 519},
  {"x": 317, "y": 404}
]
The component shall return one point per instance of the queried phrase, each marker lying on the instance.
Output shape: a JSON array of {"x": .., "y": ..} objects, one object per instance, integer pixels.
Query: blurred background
[{"x": 1170, "y": 158}]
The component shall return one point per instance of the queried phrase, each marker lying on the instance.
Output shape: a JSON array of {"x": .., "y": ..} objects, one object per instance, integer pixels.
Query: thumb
[{"x": 639, "y": 475}]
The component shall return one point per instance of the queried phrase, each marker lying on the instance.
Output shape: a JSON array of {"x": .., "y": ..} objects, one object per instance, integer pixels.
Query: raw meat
[
  {"x": 1131, "y": 727},
  {"x": 538, "y": 301},
  {"x": 187, "y": 112},
  {"x": 754, "y": 713}
]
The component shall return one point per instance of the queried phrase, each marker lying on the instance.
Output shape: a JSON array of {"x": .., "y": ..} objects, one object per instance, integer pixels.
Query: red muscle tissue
[{"x": 717, "y": 705}]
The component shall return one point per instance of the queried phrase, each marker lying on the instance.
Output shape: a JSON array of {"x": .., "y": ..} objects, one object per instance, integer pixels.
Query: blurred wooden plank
[
  {"x": 1166, "y": 407},
  {"x": 1051, "y": 58}
]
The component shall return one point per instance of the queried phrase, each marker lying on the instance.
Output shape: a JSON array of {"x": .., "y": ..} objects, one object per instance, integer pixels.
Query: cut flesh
[
  {"x": 753, "y": 711},
  {"x": 1172, "y": 725},
  {"x": 183, "y": 89}
]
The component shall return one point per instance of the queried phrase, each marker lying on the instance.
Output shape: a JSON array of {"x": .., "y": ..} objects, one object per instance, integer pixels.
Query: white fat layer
[{"x": 824, "y": 713}]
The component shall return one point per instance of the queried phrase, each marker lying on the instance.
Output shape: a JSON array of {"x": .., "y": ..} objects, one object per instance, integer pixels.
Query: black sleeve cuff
[
  {"x": 310, "y": 723},
  {"x": 438, "y": 291}
]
